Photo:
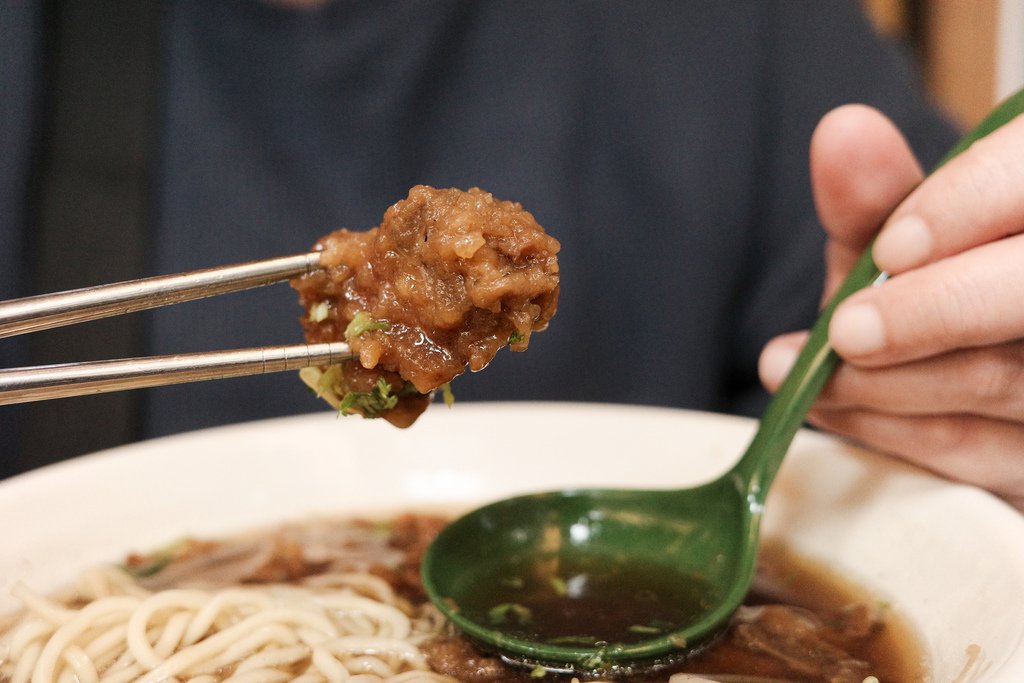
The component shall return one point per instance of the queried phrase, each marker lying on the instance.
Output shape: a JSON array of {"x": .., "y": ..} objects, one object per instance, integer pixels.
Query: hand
[{"x": 933, "y": 366}]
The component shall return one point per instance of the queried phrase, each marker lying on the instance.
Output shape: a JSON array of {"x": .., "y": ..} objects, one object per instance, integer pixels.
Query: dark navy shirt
[{"x": 664, "y": 144}]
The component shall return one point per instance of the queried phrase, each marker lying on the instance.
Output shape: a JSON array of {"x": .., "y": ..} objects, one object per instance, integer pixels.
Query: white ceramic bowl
[{"x": 949, "y": 557}]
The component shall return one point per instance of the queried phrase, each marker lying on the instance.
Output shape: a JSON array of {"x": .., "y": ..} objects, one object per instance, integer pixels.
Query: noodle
[
  {"x": 326, "y": 630},
  {"x": 339, "y": 601}
]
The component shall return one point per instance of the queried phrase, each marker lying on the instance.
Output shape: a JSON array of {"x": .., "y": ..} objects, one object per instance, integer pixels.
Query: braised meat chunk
[{"x": 446, "y": 280}]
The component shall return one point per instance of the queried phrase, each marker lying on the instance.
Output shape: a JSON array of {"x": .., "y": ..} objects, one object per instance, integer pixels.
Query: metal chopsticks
[
  {"x": 38, "y": 383},
  {"x": 45, "y": 311}
]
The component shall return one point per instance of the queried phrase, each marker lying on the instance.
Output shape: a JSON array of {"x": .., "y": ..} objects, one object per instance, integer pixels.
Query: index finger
[
  {"x": 976, "y": 198},
  {"x": 967, "y": 300}
]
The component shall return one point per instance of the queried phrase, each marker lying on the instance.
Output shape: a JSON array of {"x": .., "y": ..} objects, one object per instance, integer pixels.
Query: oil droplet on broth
[{"x": 584, "y": 602}]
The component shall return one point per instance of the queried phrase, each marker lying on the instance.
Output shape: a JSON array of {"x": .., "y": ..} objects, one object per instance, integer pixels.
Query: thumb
[{"x": 861, "y": 169}]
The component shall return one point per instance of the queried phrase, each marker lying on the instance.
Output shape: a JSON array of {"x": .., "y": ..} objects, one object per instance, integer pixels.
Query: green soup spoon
[{"x": 610, "y": 579}]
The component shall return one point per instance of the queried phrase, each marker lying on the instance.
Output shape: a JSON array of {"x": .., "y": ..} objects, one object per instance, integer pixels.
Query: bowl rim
[{"x": 459, "y": 480}]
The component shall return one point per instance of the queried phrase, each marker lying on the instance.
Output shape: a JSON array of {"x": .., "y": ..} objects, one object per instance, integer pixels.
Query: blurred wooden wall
[{"x": 957, "y": 43}]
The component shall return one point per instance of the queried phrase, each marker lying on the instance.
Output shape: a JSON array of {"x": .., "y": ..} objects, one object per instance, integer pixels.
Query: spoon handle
[{"x": 816, "y": 362}]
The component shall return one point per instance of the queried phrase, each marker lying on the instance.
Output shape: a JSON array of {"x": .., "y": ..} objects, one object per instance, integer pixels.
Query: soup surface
[
  {"x": 587, "y": 601},
  {"x": 329, "y": 600}
]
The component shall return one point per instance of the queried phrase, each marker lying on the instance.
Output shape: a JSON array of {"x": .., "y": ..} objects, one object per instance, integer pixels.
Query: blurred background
[
  {"x": 98, "y": 176},
  {"x": 971, "y": 51}
]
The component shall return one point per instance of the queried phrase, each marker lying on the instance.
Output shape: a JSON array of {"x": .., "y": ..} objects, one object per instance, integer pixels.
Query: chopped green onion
[
  {"x": 329, "y": 381},
  {"x": 447, "y": 395},
  {"x": 155, "y": 566},
  {"x": 324, "y": 383},
  {"x": 506, "y": 611},
  {"x": 362, "y": 323},
  {"x": 158, "y": 560},
  {"x": 369, "y": 403},
  {"x": 311, "y": 378},
  {"x": 572, "y": 640}
]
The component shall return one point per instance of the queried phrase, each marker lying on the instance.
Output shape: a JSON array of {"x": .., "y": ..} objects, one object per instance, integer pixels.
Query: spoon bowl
[
  {"x": 678, "y": 538},
  {"x": 535, "y": 577}
]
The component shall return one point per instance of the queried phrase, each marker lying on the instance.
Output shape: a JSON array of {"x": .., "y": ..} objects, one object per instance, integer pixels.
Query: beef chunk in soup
[{"x": 447, "y": 279}]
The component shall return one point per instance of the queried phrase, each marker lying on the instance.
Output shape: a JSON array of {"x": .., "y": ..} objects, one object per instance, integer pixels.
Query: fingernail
[
  {"x": 775, "y": 362},
  {"x": 905, "y": 244},
  {"x": 857, "y": 330}
]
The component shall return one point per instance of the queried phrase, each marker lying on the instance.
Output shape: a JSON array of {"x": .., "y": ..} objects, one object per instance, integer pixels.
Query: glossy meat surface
[{"x": 447, "y": 279}]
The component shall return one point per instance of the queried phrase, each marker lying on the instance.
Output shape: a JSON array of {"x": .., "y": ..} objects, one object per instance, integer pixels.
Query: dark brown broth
[
  {"x": 855, "y": 635},
  {"x": 586, "y": 601},
  {"x": 891, "y": 647},
  {"x": 851, "y": 624}
]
